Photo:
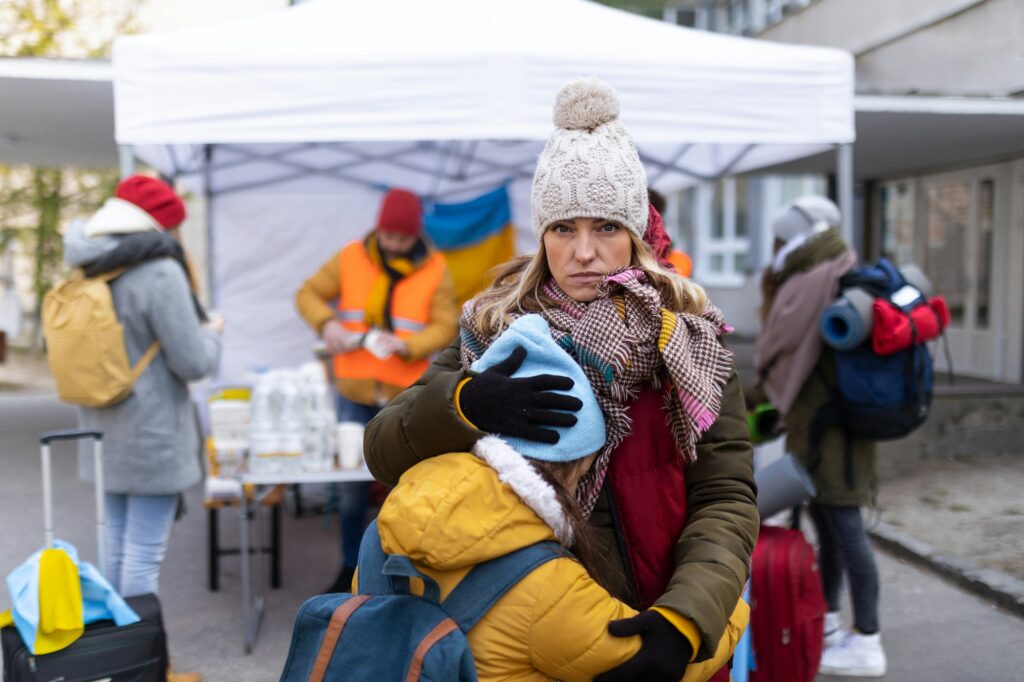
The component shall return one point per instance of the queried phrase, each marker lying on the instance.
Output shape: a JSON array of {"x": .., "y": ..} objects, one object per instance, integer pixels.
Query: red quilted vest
[{"x": 648, "y": 485}]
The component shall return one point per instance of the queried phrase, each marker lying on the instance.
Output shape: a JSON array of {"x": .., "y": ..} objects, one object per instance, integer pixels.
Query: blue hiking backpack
[
  {"x": 878, "y": 397},
  {"x": 385, "y": 633}
]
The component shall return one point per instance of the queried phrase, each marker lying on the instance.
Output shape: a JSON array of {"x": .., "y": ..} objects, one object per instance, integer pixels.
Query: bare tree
[{"x": 36, "y": 202}]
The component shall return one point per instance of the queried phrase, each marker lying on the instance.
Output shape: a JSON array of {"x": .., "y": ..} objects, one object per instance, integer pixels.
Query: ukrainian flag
[{"x": 474, "y": 236}]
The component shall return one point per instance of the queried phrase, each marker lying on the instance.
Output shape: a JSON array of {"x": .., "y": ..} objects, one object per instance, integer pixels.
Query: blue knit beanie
[{"x": 544, "y": 356}]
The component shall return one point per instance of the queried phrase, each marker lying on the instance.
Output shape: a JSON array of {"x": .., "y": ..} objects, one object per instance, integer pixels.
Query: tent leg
[
  {"x": 844, "y": 192},
  {"x": 125, "y": 160},
  {"x": 211, "y": 285}
]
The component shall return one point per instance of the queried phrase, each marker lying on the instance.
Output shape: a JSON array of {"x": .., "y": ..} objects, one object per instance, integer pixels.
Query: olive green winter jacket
[
  {"x": 713, "y": 552},
  {"x": 829, "y": 470}
]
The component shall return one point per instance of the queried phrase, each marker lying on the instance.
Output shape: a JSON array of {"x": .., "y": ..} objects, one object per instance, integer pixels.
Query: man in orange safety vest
[{"x": 395, "y": 307}]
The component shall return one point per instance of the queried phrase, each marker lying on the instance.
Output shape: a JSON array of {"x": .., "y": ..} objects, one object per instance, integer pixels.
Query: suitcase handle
[
  {"x": 101, "y": 516},
  {"x": 69, "y": 434}
]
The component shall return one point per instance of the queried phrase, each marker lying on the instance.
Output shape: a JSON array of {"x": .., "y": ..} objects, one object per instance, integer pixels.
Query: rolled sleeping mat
[
  {"x": 781, "y": 485},
  {"x": 847, "y": 323},
  {"x": 916, "y": 278}
]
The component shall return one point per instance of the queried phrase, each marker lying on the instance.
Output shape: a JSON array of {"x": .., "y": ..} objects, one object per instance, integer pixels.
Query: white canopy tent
[{"x": 294, "y": 121}]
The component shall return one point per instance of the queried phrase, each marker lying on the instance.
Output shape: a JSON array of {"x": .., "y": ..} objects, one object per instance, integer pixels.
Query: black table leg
[
  {"x": 213, "y": 550},
  {"x": 275, "y": 546}
]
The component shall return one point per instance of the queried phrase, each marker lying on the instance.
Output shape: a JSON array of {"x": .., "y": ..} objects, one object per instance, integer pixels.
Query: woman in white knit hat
[{"x": 671, "y": 496}]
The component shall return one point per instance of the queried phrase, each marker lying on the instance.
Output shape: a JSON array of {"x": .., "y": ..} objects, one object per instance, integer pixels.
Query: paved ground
[
  {"x": 972, "y": 508},
  {"x": 933, "y": 631}
]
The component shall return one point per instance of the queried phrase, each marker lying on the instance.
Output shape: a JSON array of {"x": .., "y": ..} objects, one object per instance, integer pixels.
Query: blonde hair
[{"x": 518, "y": 288}]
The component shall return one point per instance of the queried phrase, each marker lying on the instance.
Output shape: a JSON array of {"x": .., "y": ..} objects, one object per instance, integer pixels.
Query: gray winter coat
[{"x": 151, "y": 440}]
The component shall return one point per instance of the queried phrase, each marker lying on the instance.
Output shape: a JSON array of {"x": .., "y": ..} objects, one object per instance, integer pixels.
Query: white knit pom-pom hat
[{"x": 589, "y": 167}]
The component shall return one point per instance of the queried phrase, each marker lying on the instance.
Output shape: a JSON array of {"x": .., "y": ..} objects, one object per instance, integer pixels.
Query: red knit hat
[
  {"x": 155, "y": 198},
  {"x": 402, "y": 212}
]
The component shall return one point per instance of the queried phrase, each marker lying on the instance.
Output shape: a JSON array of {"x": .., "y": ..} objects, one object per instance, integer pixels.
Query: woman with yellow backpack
[{"x": 134, "y": 386}]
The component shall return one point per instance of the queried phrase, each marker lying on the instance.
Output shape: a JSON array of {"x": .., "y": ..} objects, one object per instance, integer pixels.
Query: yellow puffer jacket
[{"x": 452, "y": 512}]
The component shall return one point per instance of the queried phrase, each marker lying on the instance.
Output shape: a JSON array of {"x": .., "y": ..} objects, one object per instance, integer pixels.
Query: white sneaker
[
  {"x": 834, "y": 632},
  {"x": 856, "y": 656}
]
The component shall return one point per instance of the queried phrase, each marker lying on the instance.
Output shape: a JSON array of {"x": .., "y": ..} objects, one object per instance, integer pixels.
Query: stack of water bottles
[
  {"x": 293, "y": 422},
  {"x": 230, "y": 420}
]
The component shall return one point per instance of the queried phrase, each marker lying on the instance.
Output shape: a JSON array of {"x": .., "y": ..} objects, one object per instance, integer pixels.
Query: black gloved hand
[
  {"x": 497, "y": 403},
  {"x": 663, "y": 656}
]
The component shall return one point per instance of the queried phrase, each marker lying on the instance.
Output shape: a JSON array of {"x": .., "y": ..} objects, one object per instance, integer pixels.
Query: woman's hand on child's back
[{"x": 663, "y": 656}]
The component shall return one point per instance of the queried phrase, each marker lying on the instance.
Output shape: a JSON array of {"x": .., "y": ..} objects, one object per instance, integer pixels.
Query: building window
[
  {"x": 897, "y": 209},
  {"x": 728, "y": 225},
  {"x": 723, "y": 233},
  {"x": 948, "y": 224},
  {"x": 739, "y": 17}
]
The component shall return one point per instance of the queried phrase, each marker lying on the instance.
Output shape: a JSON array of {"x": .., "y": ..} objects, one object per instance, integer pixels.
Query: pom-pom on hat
[
  {"x": 401, "y": 211},
  {"x": 155, "y": 197},
  {"x": 545, "y": 356},
  {"x": 589, "y": 167}
]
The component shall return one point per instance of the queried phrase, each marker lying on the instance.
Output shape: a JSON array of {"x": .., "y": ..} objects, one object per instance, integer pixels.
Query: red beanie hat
[
  {"x": 155, "y": 198},
  {"x": 400, "y": 211}
]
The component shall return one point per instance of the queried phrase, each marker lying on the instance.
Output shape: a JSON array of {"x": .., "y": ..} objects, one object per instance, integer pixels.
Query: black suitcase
[{"x": 133, "y": 653}]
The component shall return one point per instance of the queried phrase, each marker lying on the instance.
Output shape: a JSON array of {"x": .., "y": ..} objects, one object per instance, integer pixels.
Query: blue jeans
[
  {"x": 138, "y": 528},
  {"x": 353, "y": 498},
  {"x": 843, "y": 547}
]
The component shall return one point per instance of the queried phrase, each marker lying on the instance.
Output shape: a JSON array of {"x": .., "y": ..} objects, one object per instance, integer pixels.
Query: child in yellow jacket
[{"x": 452, "y": 512}]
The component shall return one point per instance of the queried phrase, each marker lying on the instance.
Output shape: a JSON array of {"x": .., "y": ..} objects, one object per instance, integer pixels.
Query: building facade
[{"x": 939, "y": 160}]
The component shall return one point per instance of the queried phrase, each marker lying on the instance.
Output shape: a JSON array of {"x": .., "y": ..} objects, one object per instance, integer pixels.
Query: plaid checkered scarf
[{"x": 624, "y": 340}]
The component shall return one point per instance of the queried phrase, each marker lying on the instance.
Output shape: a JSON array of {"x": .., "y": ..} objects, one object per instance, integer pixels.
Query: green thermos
[{"x": 764, "y": 422}]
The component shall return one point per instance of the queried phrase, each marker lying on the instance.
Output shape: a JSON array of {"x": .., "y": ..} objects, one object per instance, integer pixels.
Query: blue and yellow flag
[{"x": 474, "y": 236}]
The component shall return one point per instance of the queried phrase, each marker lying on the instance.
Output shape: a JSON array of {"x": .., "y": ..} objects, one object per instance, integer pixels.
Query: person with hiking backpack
[
  {"x": 156, "y": 341},
  {"x": 797, "y": 374},
  {"x": 488, "y": 533}
]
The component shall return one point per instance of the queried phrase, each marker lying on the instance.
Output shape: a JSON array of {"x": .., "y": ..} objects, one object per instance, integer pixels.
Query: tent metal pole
[
  {"x": 844, "y": 192},
  {"x": 674, "y": 162},
  {"x": 657, "y": 163},
  {"x": 126, "y": 160},
  {"x": 729, "y": 167},
  {"x": 211, "y": 283},
  {"x": 472, "y": 189}
]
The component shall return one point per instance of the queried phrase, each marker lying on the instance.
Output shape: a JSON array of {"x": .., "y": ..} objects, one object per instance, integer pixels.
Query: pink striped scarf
[{"x": 624, "y": 340}]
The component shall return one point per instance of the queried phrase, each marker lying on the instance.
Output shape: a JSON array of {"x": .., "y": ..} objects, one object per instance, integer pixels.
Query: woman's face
[{"x": 582, "y": 251}]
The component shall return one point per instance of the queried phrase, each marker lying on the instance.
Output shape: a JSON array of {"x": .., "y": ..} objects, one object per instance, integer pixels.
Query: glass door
[{"x": 958, "y": 252}]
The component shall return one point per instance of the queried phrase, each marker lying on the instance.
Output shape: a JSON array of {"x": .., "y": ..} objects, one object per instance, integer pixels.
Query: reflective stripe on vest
[
  {"x": 411, "y": 305},
  {"x": 351, "y": 315}
]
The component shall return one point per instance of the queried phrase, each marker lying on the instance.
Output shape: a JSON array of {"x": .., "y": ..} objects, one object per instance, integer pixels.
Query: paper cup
[{"x": 350, "y": 445}]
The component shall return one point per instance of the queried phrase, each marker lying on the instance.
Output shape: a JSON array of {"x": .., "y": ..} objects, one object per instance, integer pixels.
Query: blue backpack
[
  {"x": 878, "y": 397},
  {"x": 385, "y": 633}
]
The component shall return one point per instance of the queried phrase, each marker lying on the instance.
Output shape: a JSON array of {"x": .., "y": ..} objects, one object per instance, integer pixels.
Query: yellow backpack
[{"x": 85, "y": 342}]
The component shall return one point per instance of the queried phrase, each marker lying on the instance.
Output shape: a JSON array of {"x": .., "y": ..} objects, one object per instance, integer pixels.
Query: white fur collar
[
  {"x": 118, "y": 216},
  {"x": 516, "y": 472}
]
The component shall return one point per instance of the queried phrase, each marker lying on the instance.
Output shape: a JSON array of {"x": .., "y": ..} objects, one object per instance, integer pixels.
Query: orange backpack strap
[
  {"x": 144, "y": 361},
  {"x": 334, "y": 628}
]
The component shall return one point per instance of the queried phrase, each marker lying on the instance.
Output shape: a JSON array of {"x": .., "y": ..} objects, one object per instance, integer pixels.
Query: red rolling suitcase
[
  {"x": 133, "y": 653},
  {"x": 787, "y": 607}
]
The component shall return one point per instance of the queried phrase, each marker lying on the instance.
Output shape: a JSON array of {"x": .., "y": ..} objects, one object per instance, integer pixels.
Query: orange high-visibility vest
[
  {"x": 410, "y": 314},
  {"x": 682, "y": 262}
]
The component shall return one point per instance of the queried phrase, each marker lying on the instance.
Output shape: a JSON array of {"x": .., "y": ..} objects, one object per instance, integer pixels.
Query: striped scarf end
[{"x": 702, "y": 416}]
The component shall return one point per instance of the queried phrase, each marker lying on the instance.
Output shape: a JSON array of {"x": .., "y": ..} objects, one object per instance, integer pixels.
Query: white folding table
[{"x": 253, "y": 599}]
